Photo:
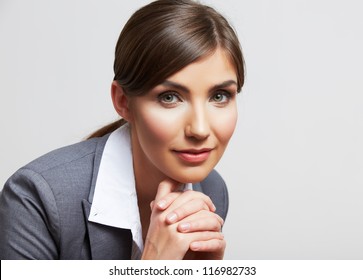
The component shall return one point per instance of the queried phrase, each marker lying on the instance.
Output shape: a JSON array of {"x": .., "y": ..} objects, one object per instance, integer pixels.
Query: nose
[{"x": 197, "y": 125}]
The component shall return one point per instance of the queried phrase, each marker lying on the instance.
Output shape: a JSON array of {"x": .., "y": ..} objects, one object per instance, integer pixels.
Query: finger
[
  {"x": 205, "y": 222},
  {"x": 165, "y": 187},
  {"x": 167, "y": 200},
  {"x": 201, "y": 195},
  {"x": 212, "y": 245},
  {"x": 203, "y": 236},
  {"x": 184, "y": 207}
]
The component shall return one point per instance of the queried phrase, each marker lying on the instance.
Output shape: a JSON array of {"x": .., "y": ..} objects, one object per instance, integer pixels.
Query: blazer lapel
[{"x": 106, "y": 242}]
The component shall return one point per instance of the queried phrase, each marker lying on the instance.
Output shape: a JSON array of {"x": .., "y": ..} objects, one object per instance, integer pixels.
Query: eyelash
[
  {"x": 168, "y": 93},
  {"x": 225, "y": 94},
  {"x": 174, "y": 94}
]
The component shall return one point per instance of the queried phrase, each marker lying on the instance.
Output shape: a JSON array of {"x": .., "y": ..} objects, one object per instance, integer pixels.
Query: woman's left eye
[
  {"x": 221, "y": 97},
  {"x": 168, "y": 98}
]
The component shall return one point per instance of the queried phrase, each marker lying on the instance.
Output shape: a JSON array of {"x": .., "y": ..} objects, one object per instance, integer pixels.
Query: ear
[{"x": 120, "y": 101}]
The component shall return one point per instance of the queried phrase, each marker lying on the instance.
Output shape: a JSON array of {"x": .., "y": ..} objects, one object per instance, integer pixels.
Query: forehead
[{"x": 214, "y": 68}]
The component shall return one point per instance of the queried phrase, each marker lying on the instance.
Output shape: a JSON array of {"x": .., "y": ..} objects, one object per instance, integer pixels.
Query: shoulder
[
  {"x": 67, "y": 155},
  {"x": 215, "y": 187},
  {"x": 48, "y": 192},
  {"x": 65, "y": 170}
]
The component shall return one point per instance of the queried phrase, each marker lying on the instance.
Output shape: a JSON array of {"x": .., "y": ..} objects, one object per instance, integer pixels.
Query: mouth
[{"x": 193, "y": 155}]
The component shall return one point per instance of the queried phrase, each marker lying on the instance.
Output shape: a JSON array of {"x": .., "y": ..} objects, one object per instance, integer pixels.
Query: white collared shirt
[{"x": 115, "y": 199}]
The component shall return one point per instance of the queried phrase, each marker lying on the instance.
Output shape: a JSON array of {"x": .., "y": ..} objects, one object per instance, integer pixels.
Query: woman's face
[{"x": 181, "y": 128}]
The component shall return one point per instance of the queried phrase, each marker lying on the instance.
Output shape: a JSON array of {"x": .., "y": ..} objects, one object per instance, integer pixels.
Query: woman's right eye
[{"x": 169, "y": 98}]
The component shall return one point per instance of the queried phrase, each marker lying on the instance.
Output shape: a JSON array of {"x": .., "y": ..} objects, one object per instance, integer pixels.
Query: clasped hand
[{"x": 183, "y": 225}]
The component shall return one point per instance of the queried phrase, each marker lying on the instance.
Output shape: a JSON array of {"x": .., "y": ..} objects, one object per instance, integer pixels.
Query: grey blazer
[{"x": 44, "y": 208}]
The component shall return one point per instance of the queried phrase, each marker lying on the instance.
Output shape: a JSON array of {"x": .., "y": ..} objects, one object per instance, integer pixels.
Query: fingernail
[
  {"x": 161, "y": 204},
  {"x": 171, "y": 217},
  {"x": 184, "y": 227}
]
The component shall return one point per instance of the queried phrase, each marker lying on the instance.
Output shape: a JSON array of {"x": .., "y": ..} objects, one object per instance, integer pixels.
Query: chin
[{"x": 191, "y": 175}]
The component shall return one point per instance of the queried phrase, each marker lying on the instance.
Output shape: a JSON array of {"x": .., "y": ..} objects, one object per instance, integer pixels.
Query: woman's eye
[
  {"x": 221, "y": 97},
  {"x": 168, "y": 98}
]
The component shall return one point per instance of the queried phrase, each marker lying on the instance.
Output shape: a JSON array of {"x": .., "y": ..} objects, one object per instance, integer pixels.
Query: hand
[
  {"x": 203, "y": 250},
  {"x": 193, "y": 213},
  {"x": 186, "y": 220}
]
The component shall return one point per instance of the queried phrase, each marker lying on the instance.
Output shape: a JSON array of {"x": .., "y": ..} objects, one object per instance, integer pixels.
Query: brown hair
[{"x": 163, "y": 37}]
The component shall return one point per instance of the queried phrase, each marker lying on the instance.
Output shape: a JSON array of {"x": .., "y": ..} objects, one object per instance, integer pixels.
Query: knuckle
[
  {"x": 200, "y": 203},
  {"x": 181, "y": 212},
  {"x": 216, "y": 226},
  {"x": 160, "y": 219},
  {"x": 220, "y": 244},
  {"x": 212, "y": 224},
  {"x": 219, "y": 219},
  {"x": 205, "y": 198},
  {"x": 195, "y": 225},
  {"x": 208, "y": 200},
  {"x": 207, "y": 235}
]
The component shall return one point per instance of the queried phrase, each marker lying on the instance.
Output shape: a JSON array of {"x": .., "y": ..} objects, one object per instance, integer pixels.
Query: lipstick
[{"x": 193, "y": 155}]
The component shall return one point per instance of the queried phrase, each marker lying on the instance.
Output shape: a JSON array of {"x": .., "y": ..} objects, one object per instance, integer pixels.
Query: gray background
[{"x": 294, "y": 166}]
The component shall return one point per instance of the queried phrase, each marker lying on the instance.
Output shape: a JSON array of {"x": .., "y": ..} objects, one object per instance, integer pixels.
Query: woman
[{"x": 143, "y": 187}]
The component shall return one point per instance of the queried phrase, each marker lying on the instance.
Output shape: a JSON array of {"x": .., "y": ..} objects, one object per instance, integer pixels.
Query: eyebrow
[{"x": 185, "y": 89}]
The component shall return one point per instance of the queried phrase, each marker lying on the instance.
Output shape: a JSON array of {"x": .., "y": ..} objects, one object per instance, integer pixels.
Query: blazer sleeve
[
  {"x": 215, "y": 187},
  {"x": 29, "y": 221}
]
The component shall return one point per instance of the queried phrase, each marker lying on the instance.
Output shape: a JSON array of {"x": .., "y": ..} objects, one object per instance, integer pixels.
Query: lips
[{"x": 194, "y": 155}]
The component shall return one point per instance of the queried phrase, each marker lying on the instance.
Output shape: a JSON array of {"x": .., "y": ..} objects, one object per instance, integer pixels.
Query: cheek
[
  {"x": 158, "y": 126},
  {"x": 224, "y": 124}
]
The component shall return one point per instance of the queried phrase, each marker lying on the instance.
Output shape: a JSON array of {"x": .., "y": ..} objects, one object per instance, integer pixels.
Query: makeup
[{"x": 194, "y": 156}]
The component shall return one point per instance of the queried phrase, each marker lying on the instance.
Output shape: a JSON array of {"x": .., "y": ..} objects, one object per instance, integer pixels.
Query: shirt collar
[{"x": 115, "y": 200}]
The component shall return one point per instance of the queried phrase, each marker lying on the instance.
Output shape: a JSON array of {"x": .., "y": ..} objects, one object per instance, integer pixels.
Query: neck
[
  {"x": 147, "y": 176},
  {"x": 147, "y": 181}
]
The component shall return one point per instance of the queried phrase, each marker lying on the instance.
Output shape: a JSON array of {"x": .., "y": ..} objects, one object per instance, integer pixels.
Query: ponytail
[{"x": 107, "y": 129}]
